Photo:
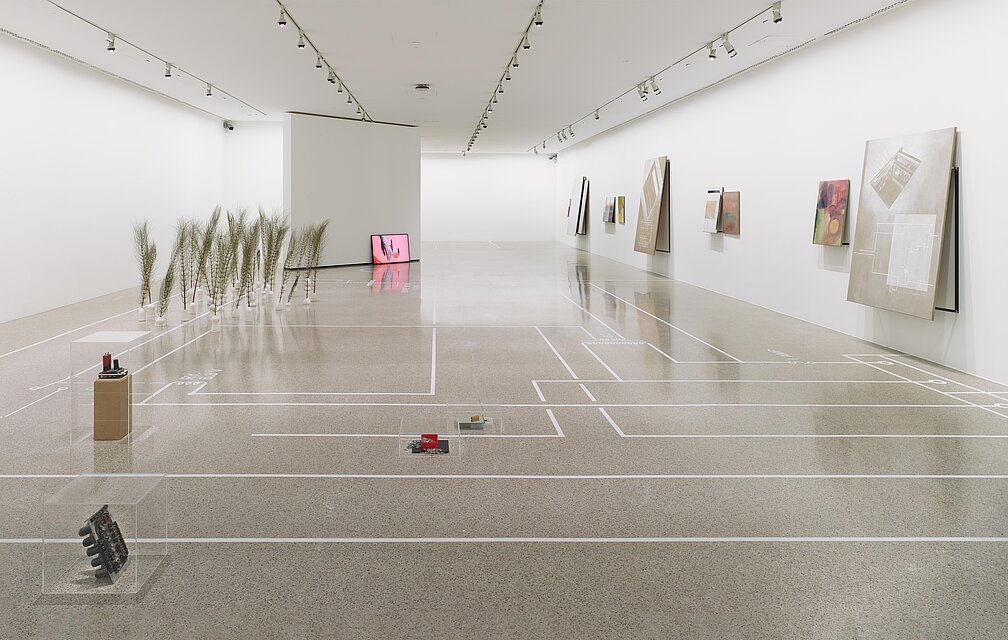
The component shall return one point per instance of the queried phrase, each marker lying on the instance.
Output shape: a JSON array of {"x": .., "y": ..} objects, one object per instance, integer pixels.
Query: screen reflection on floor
[{"x": 390, "y": 277}]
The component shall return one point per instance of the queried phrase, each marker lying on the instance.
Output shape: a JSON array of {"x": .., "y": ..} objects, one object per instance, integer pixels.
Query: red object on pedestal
[{"x": 428, "y": 441}]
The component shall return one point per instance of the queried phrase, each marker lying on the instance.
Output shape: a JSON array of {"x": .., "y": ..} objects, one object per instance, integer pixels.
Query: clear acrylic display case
[
  {"x": 85, "y": 364},
  {"x": 416, "y": 423},
  {"x": 138, "y": 504},
  {"x": 479, "y": 419}
]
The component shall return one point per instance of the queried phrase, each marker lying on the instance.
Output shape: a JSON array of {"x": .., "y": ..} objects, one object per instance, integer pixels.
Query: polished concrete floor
[{"x": 665, "y": 462}]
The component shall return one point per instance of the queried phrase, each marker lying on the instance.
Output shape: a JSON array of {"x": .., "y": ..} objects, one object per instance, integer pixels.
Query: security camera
[{"x": 229, "y": 125}]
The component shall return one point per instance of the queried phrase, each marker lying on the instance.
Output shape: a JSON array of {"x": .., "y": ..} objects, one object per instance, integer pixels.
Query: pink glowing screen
[{"x": 386, "y": 249}]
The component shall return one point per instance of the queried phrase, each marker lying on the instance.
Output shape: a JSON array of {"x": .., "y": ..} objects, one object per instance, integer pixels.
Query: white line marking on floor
[
  {"x": 556, "y": 353},
  {"x": 66, "y": 333},
  {"x": 666, "y": 322},
  {"x": 158, "y": 392},
  {"x": 588, "y": 393},
  {"x": 48, "y": 395},
  {"x": 556, "y": 425},
  {"x": 923, "y": 385},
  {"x": 572, "y": 405},
  {"x": 586, "y": 540},
  {"x": 602, "y": 362},
  {"x": 393, "y": 435},
  {"x": 433, "y": 359},
  {"x": 494, "y": 244},
  {"x": 535, "y": 385},
  {"x": 179, "y": 348},
  {"x": 589, "y": 333},
  {"x": 571, "y": 300},
  {"x": 720, "y": 381},
  {"x": 526, "y": 476},
  {"x": 662, "y": 352},
  {"x": 612, "y": 422}
]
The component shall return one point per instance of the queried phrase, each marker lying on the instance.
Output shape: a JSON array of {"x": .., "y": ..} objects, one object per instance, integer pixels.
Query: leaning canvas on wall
[
  {"x": 574, "y": 207},
  {"x": 621, "y": 209},
  {"x": 609, "y": 213},
  {"x": 831, "y": 213},
  {"x": 652, "y": 216},
  {"x": 731, "y": 213},
  {"x": 582, "y": 229},
  {"x": 712, "y": 213},
  {"x": 901, "y": 222}
]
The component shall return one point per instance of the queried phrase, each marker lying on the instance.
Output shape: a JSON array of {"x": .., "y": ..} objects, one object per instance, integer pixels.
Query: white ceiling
[{"x": 587, "y": 53}]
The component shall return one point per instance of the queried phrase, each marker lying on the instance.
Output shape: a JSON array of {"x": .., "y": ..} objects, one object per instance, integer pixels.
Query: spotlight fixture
[
  {"x": 282, "y": 22},
  {"x": 301, "y": 40},
  {"x": 596, "y": 114},
  {"x": 777, "y": 17},
  {"x": 538, "y": 21},
  {"x": 490, "y": 109},
  {"x": 559, "y": 139},
  {"x": 500, "y": 88},
  {"x": 507, "y": 74},
  {"x": 641, "y": 92},
  {"x": 349, "y": 100},
  {"x": 514, "y": 62},
  {"x": 571, "y": 129},
  {"x": 727, "y": 46},
  {"x": 484, "y": 124},
  {"x": 209, "y": 90},
  {"x": 654, "y": 87},
  {"x": 544, "y": 145},
  {"x": 711, "y": 52},
  {"x": 111, "y": 43},
  {"x": 318, "y": 62},
  {"x": 332, "y": 76},
  {"x": 167, "y": 69},
  {"x": 339, "y": 87},
  {"x": 563, "y": 134},
  {"x": 359, "y": 110},
  {"x": 525, "y": 43},
  {"x": 535, "y": 150}
]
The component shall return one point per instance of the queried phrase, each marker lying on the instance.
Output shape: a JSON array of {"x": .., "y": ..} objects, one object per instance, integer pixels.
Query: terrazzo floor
[{"x": 664, "y": 462}]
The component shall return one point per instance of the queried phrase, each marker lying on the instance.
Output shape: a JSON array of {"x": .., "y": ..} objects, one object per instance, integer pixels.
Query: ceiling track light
[
  {"x": 727, "y": 46},
  {"x": 655, "y": 88},
  {"x": 111, "y": 43},
  {"x": 559, "y": 139},
  {"x": 318, "y": 62},
  {"x": 300, "y": 40},
  {"x": 339, "y": 87},
  {"x": 332, "y": 76},
  {"x": 777, "y": 17},
  {"x": 209, "y": 90},
  {"x": 513, "y": 63},
  {"x": 282, "y": 22},
  {"x": 349, "y": 99},
  {"x": 711, "y": 52},
  {"x": 596, "y": 114},
  {"x": 571, "y": 129},
  {"x": 536, "y": 150},
  {"x": 641, "y": 93},
  {"x": 167, "y": 70}
]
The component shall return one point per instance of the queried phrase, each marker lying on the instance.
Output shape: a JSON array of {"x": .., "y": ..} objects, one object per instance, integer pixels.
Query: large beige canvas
[
  {"x": 653, "y": 205},
  {"x": 900, "y": 223}
]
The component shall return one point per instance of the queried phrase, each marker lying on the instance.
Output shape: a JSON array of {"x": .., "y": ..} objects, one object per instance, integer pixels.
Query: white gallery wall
[
  {"x": 363, "y": 176},
  {"x": 487, "y": 197},
  {"x": 775, "y": 132},
  {"x": 83, "y": 157},
  {"x": 253, "y": 166}
]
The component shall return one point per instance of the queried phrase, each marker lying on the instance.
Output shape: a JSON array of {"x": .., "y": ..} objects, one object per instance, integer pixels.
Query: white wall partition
[
  {"x": 505, "y": 197},
  {"x": 774, "y": 133},
  {"x": 83, "y": 156},
  {"x": 253, "y": 166},
  {"x": 363, "y": 176}
]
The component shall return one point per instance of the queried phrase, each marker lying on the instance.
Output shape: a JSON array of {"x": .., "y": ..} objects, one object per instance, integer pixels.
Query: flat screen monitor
[{"x": 389, "y": 248}]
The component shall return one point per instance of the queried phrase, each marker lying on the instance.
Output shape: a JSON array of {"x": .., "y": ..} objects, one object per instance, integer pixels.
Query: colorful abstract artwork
[
  {"x": 712, "y": 213},
  {"x": 731, "y": 213},
  {"x": 621, "y": 209},
  {"x": 386, "y": 249},
  {"x": 901, "y": 222},
  {"x": 831, "y": 213},
  {"x": 609, "y": 213}
]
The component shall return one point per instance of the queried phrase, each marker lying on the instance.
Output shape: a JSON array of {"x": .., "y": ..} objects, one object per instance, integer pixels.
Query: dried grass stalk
[
  {"x": 182, "y": 258},
  {"x": 146, "y": 255},
  {"x": 249, "y": 257},
  {"x": 205, "y": 246}
]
